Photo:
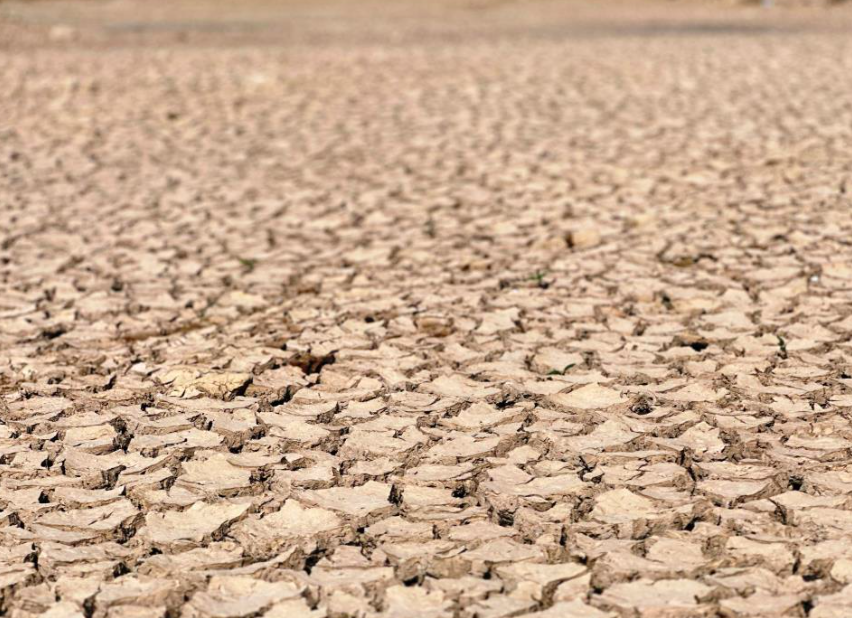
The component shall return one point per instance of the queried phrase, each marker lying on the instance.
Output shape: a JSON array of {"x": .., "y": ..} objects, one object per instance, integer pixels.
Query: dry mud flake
[
  {"x": 185, "y": 529},
  {"x": 234, "y": 597},
  {"x": 286, "y": 527},
  {"x": 189, "y": 383},
  {"x": 370, "y": 499},
  {"x": 657, "y": 598},
  {"x": 588, "y": 397}
]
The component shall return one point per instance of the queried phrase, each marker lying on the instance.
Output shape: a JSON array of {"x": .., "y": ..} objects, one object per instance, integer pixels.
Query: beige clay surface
[{"x": 466, "y": 309}]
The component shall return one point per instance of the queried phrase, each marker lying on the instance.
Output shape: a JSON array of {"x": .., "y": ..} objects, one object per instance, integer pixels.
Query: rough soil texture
[{"x": 462, "y": 311}]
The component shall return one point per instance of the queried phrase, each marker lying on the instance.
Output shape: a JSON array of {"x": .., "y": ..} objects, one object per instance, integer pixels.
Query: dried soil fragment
[
  {"x": 370, "y": 499},
  {"x": 234, "y": 597},
  {"x": 189, "y": 383},
  {"x": 184, "y": 529},
  {"x": 291, "y": 524},
  {"x": 588, "y": 397}
]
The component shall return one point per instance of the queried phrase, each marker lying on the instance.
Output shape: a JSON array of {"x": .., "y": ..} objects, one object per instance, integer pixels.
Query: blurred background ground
[{"x": 127, "y": 22}]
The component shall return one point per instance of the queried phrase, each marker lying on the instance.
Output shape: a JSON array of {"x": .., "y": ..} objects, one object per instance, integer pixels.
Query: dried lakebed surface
[{"x": 513, "y": 326}]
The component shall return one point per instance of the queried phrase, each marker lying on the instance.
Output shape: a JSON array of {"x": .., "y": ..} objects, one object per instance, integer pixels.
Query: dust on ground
[{"x": 469, "y": 310}]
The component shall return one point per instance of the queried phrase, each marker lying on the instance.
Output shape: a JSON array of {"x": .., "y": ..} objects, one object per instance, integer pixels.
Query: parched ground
[{"x": 469, "y": 310}]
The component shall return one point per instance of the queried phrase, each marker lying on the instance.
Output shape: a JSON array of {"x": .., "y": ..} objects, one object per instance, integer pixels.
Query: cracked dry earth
[{"x": 527, "y": 323}]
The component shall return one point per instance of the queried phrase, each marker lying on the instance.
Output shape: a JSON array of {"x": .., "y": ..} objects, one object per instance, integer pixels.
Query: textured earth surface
[{"x": 474, "y": 310}]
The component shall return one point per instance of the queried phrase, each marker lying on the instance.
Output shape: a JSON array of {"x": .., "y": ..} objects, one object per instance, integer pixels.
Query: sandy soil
[{"x": 469, "y": 310}]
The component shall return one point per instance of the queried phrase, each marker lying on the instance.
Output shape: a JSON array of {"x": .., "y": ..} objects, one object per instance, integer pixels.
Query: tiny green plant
[
  {"x": 247, "y": 263},
  {"x": 538, "y": 276},
  {"x": 556, "y": 372},
  {"x": 782, "y": 346}
]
